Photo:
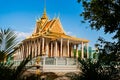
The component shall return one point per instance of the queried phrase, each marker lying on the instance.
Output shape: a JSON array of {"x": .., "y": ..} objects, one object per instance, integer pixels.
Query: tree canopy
[{"x": 103, "y": 14}]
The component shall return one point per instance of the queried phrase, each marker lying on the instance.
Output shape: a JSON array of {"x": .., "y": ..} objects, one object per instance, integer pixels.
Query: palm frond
[{"x": 8, "y": 42}]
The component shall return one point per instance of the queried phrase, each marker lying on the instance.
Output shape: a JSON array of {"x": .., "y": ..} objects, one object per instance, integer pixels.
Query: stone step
[
  {"x": 51, "y": 70},
  {"x": 60, "y": 68}
]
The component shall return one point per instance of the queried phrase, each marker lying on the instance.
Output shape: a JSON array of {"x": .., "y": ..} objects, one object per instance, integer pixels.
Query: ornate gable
[{"x": 57, "y": 27}]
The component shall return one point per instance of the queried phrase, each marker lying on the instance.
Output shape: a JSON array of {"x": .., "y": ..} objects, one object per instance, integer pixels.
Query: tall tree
[{"x": 103, "y": 14}]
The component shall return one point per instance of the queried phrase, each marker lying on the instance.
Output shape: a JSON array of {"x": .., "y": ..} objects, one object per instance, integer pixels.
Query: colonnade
[{"x": 48, "y": 48}]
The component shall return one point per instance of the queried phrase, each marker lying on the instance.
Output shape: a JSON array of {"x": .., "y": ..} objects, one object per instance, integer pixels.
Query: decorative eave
[{"x": 57, "y": 37}]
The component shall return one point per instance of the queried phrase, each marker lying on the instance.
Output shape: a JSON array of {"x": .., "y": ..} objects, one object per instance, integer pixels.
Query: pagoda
[{"x": 50, "y": 40}]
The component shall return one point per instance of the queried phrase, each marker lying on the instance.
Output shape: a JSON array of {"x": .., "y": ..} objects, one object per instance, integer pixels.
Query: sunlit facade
[{"x": 50, "y": 40}]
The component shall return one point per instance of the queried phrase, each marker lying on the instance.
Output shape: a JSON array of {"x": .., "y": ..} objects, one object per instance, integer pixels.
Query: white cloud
[
  {"x": 22, "y": 35},
  {"x": 70, "y": 34}
]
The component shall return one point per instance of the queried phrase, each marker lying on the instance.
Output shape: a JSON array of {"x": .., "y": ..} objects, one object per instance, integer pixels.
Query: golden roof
[{"x": 51, "y": 29}]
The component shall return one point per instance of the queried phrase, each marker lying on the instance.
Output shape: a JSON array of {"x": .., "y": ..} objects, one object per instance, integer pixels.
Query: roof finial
[
  {"x": 44, "y": 6},
  {"x": 44, "y": 13}
]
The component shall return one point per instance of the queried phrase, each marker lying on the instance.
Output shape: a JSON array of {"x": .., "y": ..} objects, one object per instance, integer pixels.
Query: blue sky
[{"x": 21, "y": 16}]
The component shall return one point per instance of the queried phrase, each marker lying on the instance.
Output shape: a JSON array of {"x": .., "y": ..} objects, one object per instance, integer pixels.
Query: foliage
[
  {"x": 103, "y": 14},
  {"x": 109, "y": 52},
  {"x": 2, "y": 56},
  {"x": 10, "y": 72},
  {"x": 79, "y": 53},
  {"x": 8, "y": 42},
  {"x": 5, "y": 71},
  {"x": 94, "y": 55},
  {"x": 94, "y": 70},
  {"x": 72, "y": 76}
]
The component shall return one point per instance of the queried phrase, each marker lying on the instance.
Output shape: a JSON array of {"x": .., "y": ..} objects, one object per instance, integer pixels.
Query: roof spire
[
  {"x": 44, "y": 13},
  {"x": 44, "y": 7}
]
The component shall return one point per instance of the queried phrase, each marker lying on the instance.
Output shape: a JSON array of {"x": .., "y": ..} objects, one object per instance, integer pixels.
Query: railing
[
  {"x": 59, "y": 61},
  {"x": 49, "y": 61}
]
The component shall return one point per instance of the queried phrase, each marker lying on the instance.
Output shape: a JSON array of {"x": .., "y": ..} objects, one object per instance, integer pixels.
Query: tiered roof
[{"x": 51, "y": 29}]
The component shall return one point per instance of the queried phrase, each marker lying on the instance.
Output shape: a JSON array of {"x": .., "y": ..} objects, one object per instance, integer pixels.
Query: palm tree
[{"x": 8, "y": 42}]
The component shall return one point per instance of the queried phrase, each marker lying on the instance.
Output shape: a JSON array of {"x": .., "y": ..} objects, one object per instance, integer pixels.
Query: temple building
[
  {"x": 57, "y": 50},
  {"x": 50, "y": 40}
]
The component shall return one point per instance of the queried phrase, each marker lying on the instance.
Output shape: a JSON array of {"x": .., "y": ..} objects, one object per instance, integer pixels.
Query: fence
[{"x": 49, "y": 61}]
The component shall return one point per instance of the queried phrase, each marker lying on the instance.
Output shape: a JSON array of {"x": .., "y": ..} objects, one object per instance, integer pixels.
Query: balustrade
[{"x": 49, "y": 61}]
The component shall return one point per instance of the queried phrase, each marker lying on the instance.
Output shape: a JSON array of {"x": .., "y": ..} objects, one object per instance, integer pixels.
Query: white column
[
  {"x": 77, "y": 51},
  {"x": 46, "y": 48},
  {"x": 27, "y": 49},
  {"x": 30, "y": 44},
  {"x": 39, "y": 46},
  {"x": 35, "y": 48},
  {"x": 51, "y": 49},
  {"x": 82, "y": 50},
  {"x": 61, "y": 47},
  {"x": 72, "y": 48},
  {"x": 87, "y": 50},
  {"x": 32, "y": 49},
  {"x": 56, "y": 49},
  {"x": 68, "y": 48},
  {"x": 43, "y": 46}
]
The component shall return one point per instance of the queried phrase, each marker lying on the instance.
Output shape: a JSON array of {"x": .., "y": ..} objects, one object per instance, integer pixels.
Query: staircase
[{"x": 60, "y": 68}]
